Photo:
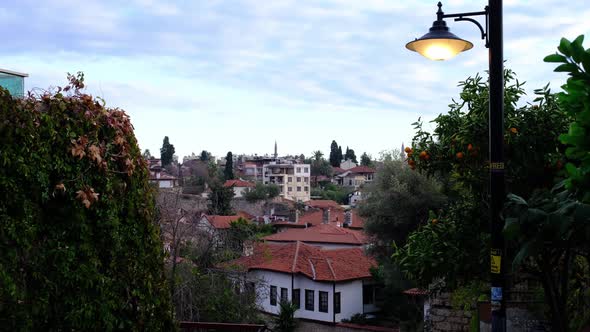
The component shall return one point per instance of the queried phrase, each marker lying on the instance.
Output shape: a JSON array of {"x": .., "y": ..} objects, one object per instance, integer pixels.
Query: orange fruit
[
  {"x": 514, "y": 130},
  {"x": 460, "y": 155},
  {"x": 423, "y": 155},
  {"x": 434, "y": 221},
  {"x": 408, "y": 149},
  {"x": 469, "y": 147}
]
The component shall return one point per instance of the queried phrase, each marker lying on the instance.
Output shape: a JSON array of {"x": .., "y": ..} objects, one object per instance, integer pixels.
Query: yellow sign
[{"x": 496, "y": 261}]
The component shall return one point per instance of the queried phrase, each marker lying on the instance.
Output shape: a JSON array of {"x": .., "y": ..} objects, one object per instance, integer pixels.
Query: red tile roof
[
  {"x": 313, "y": 262},
  {"x": 338, "y": 170},
  {"x": 323, "y": 204},
  {"x": 245, "y": 215},
  {"x": 220, "y": 222},
  {"x": 362, "y": 169},
  {"x": 237, "y": 183},
  {"x": 324, "y": 233},
  {"x": 336, "y": 216}
]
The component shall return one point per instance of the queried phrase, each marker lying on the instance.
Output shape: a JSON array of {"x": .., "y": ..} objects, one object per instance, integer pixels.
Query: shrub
[{"x": 80, "y": 250}]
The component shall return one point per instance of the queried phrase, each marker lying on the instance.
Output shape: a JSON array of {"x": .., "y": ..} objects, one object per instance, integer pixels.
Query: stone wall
[{"x": 443, "y": 317}]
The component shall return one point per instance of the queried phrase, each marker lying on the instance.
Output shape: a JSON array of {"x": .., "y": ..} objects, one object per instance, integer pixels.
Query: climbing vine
[{"x": 80, "y": 250}]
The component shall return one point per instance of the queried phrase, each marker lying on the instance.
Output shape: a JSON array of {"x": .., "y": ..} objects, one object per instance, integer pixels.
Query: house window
[
  {"x": 290, "y": 189},
  {"x": 298, "y": 179},
  {"x": 323, "y": 301},
  {"x": 250, "y": 289},
  {"x": 290, "y": 179},
  {"x": 284, "y": 295},
  {"x": 298, "y": 169},
  {"x": 298, "y": 188},
  {"x": 296, "y": 300},
  {"x": 368, "y": 294},
  {"x": 306, "y": 180},
  {"x": 306, "y": 188},
  {"x": 350, "y": 182},
  {"x": 309, "y": 300},
  {"x": 306, "y": 170},
  {"x": 273, "y": 295},
  {"x": 337, "y": 303}
]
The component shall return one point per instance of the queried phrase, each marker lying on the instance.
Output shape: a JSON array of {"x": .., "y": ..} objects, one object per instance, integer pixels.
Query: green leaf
[
  {"x": 511, "y": 228},
  {"x": 566, "y": 67},
  {"x": 555, "y": 58},
  {"x": 527, "y": 250},
  {"x": 565, "y": 47}
]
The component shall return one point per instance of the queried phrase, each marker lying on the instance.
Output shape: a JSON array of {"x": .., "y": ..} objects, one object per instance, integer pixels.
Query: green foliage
[
  {"x": 332, "y": 192},
  {"x": 220, "y": 200},
  {"x": 335, "y": 155},
  {"x": 400, "y": 201},
  {"x": 243, "y": 230},
  {"x": 146, "y": 154},
  {"x": 208, "y": 296},
  {"x": 228, "y": 172},
  {"x": 456, "y": 154},
  {"x": 80, "y": 249},
  {"x": 575, "y": 101},
  {"x": 205, "y": 156},
  {"x": 166, "y": 152},
  {"x": 349, "y": 155},
  {"x": 366, "y": 160},
  {"x": 285, "y": 321},
  {"x": 449, "y": 246},
  {"x": 551, "y": 235},
  {"x": 262, "y": 192}
]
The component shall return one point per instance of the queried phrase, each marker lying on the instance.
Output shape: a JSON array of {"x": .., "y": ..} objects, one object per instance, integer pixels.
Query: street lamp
[{"x": 440, "y": 44}]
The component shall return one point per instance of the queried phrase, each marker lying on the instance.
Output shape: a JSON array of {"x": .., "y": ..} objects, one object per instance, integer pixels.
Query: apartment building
[{"x": 293, "y": 179}]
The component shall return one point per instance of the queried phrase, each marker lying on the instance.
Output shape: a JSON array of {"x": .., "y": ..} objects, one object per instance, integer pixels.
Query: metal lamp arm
[{"x": 464, "y": 17}]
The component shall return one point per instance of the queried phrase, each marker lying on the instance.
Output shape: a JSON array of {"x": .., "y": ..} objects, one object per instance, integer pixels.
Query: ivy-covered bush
[{"x": 79, "y": 247}]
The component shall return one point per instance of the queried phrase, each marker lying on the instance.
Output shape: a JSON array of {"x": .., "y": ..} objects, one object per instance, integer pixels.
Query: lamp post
[{"x": 440, "y": 44}]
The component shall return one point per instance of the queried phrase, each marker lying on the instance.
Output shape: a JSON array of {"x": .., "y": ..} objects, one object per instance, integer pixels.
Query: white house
[
  {"x": 159, "y": 176},
  {"x": 293, "y": 179},
  {"x": 326, "y": 285},
  {"x": 240, "y": 187}
]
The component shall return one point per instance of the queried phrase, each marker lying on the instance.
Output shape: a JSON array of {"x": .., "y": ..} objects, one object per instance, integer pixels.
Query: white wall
[
  {"x": 165, "y": 184},
  {"x": 240, "y": 191},
  {"x": 351, "y": 295}
]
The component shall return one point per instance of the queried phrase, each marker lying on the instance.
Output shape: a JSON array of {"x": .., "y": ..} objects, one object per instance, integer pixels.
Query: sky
[{"x": 237, "y": 75}]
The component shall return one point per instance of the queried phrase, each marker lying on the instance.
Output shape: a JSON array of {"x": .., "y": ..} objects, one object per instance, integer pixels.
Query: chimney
[
  {"x": 348, "y": 218},
  {"x": 248, "y": 248},
  {"x": 326, "y": 216}
]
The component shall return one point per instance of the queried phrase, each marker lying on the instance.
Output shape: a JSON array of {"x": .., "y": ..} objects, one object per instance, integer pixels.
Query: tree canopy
[
  {"x": 228, "y": 171},
  {"x": 166, "y": 152}
]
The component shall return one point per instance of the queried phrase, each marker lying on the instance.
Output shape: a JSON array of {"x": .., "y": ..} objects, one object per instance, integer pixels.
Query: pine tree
[
  {"x": 334, "y": 158},
  {"x": 365, "y": 159},
  {"x": 340, "y": 155},
  {"x": 147, "y": 154},
  {"x": 228, "y": 172},
  {"x": 350, "y": 155},
  {"x": 166, "y": 152},
  {"x": 205, "y": 156}
]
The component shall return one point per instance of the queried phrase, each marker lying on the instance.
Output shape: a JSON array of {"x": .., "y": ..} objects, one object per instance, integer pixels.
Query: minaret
[
  {"x": 276, "y": 154},
  {"x": 402, "y": 153}
]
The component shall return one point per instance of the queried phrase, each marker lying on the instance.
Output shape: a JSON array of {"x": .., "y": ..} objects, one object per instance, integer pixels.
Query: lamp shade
[{"x": 439, "y": 43}]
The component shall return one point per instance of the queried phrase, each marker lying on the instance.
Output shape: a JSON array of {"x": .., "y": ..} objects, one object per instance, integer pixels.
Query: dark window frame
[
  {"x": 323, "y": 298},
  {"x": 296, "y": 298},
  {"x": 309, "y": 295},
  {"x": 284, "y": 294},
  {"x": 273, "y": 295},
  {"x": 337, "y": 302},
  {"x": 368, "y": 294}
]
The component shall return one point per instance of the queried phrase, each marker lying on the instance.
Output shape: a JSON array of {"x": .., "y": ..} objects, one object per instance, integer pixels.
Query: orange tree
[
  {"x": 454, "y": 243},
  {"x": 80, "y": 249}
]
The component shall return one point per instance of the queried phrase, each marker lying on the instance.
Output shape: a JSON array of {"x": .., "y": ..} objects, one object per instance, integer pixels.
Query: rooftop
[
  {"x": 324, "y": 233},
  {"x": 310, "y": 261}
]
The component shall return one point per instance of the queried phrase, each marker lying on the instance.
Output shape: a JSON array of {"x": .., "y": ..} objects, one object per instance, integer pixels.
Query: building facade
[
  {"x": 13, "y": 81},
  {"x": 293, "y": 179}
]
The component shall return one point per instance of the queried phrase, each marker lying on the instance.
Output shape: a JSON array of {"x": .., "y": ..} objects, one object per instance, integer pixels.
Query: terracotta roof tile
[
  {"x": 362, "y": 169},
  {"x": 323, "y": 203},
  {"x": 313, "y": 262},
  {"x": 238, "y": 183},
  {"x": 220, "y": 222},
  {"x": 323, "y": 233},
  {"x": 415, "y": 291},
  {"x": 336, "y": 216}
]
